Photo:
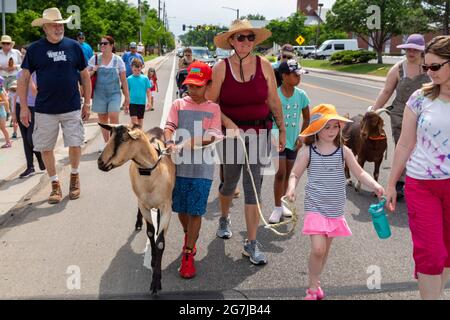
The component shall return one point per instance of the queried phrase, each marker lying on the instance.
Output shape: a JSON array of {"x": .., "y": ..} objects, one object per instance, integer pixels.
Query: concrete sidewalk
[
  {"x": 347, "y": 75},
  {"x": 15, "y": 192}
]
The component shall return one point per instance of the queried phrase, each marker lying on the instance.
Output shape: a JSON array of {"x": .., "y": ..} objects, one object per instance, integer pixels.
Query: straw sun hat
[
  {"x": 221, "y": 39},
  {"x": 50, "y": 15},
  {"x": 7, "y": 39},
  {"x": 320, "y": 115}
]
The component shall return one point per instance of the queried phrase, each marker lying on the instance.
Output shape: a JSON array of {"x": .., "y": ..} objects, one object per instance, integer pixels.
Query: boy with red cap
[{"x": 196, "y": 121}]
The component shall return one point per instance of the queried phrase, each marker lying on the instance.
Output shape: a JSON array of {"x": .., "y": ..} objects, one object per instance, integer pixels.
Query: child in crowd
[
  {"x": 295, "y": 104},
  {"x": 140, "y": 95},
  {"x": 4, "y": 109},
  {"x": 151, "y": 74},
  {"x": 12, "y": 94},
  {"x": 193, "y": 113},
  {"x": 323, "y": 156}
]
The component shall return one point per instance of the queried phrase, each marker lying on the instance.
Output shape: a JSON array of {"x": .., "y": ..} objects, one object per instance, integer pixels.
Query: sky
[{"x": 194, "y": 12}]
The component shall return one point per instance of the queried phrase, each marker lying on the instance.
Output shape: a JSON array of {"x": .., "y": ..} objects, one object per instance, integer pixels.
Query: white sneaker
[
  {"x": 287, "y": 213},
  {"x": 275, "y": 217}
]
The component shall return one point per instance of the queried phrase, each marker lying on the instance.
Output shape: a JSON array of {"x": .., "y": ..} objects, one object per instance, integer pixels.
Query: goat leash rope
[{"x": 289, "y": 205}]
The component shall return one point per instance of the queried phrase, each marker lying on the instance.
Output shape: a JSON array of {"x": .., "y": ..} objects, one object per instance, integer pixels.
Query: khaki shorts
[{"x": 46, "y": 130}]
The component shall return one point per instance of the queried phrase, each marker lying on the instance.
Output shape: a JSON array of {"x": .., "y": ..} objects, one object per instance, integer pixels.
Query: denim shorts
[
  {"x": 190, "y": 195},
  {"x": 2, "y": 112},
  {"x": 103, "y": 103}
]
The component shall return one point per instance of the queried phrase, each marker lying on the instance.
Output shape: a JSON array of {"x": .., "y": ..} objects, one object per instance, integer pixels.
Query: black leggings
[{"x": 27, "y": 138}]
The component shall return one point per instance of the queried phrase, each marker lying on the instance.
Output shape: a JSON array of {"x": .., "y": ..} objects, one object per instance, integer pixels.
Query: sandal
[{"x": 7, "y": 145}]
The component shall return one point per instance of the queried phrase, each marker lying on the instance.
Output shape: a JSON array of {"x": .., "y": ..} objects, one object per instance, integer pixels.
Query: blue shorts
[
  {"x": 190, "y": 196},
  {"x": 102, "y": 103},
  {"x": 2, "y": 112}
]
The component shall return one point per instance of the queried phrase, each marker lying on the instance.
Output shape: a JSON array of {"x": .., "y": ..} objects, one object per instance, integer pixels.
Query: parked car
[
  {"x": 305, "y": 51},
  {"x": 222, "y": 53},
  {"x": 180, "y": 52},
  {"x": 329, "y": 47},
  {"x": 203, "y": 54}
]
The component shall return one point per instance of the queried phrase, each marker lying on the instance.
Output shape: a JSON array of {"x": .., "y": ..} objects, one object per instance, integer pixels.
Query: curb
[
  {"x": 21, "y": 206},
  {"x": 348, "y": 75}
]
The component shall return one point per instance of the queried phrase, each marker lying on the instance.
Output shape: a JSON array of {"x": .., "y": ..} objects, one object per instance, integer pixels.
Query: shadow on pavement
[
  {"x": 33, "y": 213},
  {"x": 217, "y": 275},
  {"x": 364, "y": 199}
]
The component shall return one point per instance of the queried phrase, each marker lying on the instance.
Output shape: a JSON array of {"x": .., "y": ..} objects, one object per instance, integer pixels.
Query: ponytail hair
[{"x": 439, "y": 46}]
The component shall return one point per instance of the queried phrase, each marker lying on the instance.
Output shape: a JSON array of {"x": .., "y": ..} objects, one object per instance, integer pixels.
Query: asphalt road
[{"x": 44, "y": 246}]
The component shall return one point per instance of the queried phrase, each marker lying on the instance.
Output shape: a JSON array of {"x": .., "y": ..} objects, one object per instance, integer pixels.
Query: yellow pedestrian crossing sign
[{"x": 300, "y": 40}]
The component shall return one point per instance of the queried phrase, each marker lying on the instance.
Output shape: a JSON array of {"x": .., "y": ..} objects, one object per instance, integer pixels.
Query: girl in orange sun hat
[{"x": 323, "y": 156}]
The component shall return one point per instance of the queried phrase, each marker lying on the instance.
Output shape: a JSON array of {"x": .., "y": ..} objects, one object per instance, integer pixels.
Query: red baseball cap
[{"x": 199, "y": 73}]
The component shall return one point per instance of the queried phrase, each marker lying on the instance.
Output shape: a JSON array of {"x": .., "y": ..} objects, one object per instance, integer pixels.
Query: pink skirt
[{"x": 315, "y": 223}]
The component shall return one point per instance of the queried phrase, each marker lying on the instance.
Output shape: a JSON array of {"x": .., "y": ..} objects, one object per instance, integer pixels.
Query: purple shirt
[{"x": 30, "y": 98}]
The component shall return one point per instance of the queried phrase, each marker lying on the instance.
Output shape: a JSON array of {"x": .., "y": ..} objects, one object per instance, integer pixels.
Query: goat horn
[{"x": 380, "y": 111}]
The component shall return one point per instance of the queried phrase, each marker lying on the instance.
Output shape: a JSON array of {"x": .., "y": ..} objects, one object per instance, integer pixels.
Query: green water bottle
[{"x": 380, "y": 220}]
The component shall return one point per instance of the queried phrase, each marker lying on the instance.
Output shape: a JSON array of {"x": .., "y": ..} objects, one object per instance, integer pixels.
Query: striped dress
[{"x": 325, "y": 191}]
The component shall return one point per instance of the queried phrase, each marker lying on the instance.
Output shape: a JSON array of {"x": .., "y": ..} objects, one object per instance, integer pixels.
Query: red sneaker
[
  {"x": 187, "y": 269},
  {"x": 194, "y": 251}
]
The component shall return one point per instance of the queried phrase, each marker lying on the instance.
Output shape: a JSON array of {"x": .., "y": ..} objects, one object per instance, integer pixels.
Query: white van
[{"x": 329, "y": 47}]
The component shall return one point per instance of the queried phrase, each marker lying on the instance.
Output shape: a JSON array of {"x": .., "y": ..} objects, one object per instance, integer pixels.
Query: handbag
[{"x": 94, "y": 78}]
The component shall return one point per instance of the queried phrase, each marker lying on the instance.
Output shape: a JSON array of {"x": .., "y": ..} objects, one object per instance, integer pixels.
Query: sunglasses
[
  {"x": 103, "y": 43},
  {"x": 6, "y": 43},
  {"x": 434, "y": 66},
  {"x": 250, "y": 37},
  {"x": 286, "y": 57}
]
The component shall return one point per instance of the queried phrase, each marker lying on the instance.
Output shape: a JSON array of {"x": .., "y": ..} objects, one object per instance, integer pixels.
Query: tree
[
  {"x": 395, "y": 18},
  {"x": 288, "y": 30},
  {"x": 203, "y": 37},
  {"x": 253, "y": 17},
  {"x": 439, "y": 12}
]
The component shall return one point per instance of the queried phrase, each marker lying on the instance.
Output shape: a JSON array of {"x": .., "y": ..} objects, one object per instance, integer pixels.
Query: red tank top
[{"x": 245, "y": 101}]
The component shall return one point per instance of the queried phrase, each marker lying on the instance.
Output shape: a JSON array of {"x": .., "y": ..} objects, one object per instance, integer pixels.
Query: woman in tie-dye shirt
[{"x": 424, "y": 148}]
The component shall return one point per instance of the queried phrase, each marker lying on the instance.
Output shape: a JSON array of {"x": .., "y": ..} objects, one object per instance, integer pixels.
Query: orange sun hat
[{"x": 320, "y": 115}]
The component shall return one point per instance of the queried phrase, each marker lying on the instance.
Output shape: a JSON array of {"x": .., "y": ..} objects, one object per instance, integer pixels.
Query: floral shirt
[{"x": 430, "y": 159}]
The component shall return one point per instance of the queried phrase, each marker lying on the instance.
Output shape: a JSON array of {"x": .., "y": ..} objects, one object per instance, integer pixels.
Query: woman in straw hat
[
  {"x": 245, "y": 87},
  {"x": 323, "y": 156},
  {"x": 404, "y": 78}
]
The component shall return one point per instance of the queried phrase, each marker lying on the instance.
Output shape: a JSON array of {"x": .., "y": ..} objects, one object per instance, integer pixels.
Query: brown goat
[
  {"x": 367, "y": 139},
  {"x": 152, "y": 178}
]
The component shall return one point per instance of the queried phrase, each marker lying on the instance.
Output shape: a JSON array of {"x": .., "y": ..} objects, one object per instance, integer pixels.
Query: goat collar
[
  {"x": 382, "y": 137},
  {"x": 148, "y": 171}
]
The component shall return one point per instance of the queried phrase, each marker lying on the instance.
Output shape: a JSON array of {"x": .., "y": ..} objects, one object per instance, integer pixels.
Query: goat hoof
[{"x": 138, "y": 228}]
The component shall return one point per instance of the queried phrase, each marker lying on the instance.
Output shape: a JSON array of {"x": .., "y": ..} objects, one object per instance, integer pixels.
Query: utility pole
[
  {"x": 140, "y": 16},
  {"x": 318, "y": 24},
  {"x": 3, "y": 17},
  {"x": 159, "y": 9}
]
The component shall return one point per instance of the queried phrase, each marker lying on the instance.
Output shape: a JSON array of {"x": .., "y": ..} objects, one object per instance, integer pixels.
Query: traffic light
[{"x": 184, "y": 27}]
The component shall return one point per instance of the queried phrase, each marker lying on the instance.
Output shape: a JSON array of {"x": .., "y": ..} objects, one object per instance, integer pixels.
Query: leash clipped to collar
[{"x": 148, "y": 171}]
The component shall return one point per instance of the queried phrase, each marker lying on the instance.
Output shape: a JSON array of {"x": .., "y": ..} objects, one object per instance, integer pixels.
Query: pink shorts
[
  {"x": 428, "y": 203},
  {"x": 315, "y": 223}
]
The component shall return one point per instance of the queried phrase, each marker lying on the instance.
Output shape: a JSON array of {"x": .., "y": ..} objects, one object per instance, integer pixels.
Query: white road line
[
  {"x": 338, "y": 80},
  {"x": 169, "y": 96}
]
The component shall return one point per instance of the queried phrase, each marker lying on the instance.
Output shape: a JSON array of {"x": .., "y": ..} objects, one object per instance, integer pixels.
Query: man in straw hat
[
  {"x": 60, "y": 65},
  {"x": 246, "y": 87},
  {"x": 10, "y": 60},
  {"x": 404, "y": 78}
]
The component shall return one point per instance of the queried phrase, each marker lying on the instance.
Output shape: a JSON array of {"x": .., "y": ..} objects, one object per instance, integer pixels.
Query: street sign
[
  {"x": 300, "y": 40},
  {"x": 10, "y": 6}
]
